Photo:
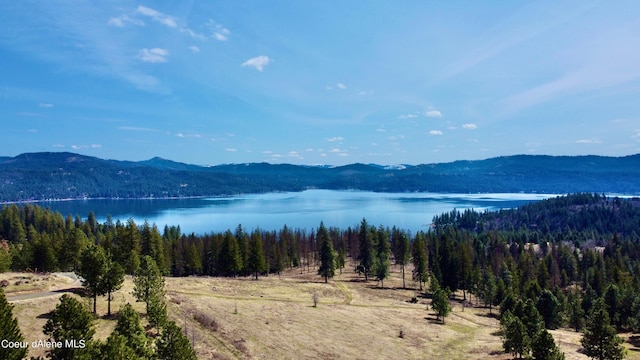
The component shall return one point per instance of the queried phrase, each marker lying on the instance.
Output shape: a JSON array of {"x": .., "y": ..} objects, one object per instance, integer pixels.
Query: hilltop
[{"x": 63, "y": 175}]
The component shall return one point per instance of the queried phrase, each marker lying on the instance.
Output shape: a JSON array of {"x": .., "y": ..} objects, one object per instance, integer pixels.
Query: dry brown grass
[
  {"x": 274, "y": 318},
  {"x": 24, "y": 283}
]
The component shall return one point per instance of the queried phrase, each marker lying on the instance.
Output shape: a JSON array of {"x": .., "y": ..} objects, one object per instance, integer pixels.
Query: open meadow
[{"x": 274, "y": 318}]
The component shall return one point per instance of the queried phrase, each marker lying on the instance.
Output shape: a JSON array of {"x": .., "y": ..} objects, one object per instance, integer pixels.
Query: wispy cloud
[
  {"x": 194, "y": 49},
  {"x": 124, "y": 20},
  {"x": 154, "y": 55},
  {"x": 589, "y": 141},
  {"x": 435, "y": 132},
  {"x": 469, "y": 126},
  {"x": 45, "y": 105},
  {"x": 133, "y": 128},
  {"x": 335, "y": 138},
  {"x": 231, "y": 150},
  {"x": 157, "y": 16},
  {"x": 409, "y": 116},
  {"x": 258, "y": 62},
  {"x": 218, "y": 31},
  {"x": 341, "y": 86},
  {"x": 433, "y": 114}
]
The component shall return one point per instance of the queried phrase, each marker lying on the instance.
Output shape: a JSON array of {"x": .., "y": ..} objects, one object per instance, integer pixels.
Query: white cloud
[
  {"x": 157, "y": 16},
  {"x": 335, "y": 138},
  {"x": 230, "y": 149},
  {"x": 341, "y": 86},
  {"x": 133, "y": 128},
  {"x": 408, "y": 116},
  {"x": 218, "y": 31},
  {"x": 258, "y": 62},
  {"x": 96, "y": 146},
  {"x": 589, "y": 141},
  {"x": 192, "y": 33},
  {"x": 45, "y": 105},
  {"x": 154, "y": 55},
  {"x": 435, "y": 132},
  {"x": 433, "y": 113},
  {"x": 194, "y": 49},
  {"x": 180, "y": 135},
  {"x": 469, "y": 126},
  {"x": 33, "y": 131},
  {"x": 124, "y": 20}
]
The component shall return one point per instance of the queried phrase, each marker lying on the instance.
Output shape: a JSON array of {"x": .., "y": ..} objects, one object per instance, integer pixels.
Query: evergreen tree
[
  {"x": 440, "y": 303},
  {"x": 93, "y": 267},
  {"x": 148, "y": 282},
  {"x": 327, "y": 256},
  {"x": 382, "y": 263},
  {"x": 5, "y": 256},
  {"x": 230, "y": 261},
  {"x": 543, "y": 347},
  {"x": 514, "y": 334},
  {"x": 173, "y": 344},
  {"x": 9, "y": 331},
  {"x": 112, "y": 280},
  {"x": 550, "y": 309},
  {"x": 116, "y": 347},
  {"x": 600, "y": 340},
  {"x": 420, "y": 273},
  {"x": 366, "y": 255},
  {"x": 69, "y": 321},
  {"x": 157, "y": 315},
  {"x": 129, "y": 326},
  {"x": 402, "y": 251},
  {"x": 256, "y": 262}
]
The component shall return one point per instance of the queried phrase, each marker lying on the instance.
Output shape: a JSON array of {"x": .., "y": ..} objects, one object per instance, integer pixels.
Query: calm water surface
[{"x": 410, "y": 211}]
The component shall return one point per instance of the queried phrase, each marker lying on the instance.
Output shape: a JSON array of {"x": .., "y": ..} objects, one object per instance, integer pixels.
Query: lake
[{"x": 271, "y": 211}]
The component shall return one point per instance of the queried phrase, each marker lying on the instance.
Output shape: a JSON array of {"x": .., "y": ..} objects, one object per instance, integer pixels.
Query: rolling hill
[{"x": 63, "y": 175}]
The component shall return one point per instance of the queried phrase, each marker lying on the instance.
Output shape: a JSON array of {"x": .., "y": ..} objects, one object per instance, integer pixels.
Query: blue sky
[{"x": 320, "y": 82}]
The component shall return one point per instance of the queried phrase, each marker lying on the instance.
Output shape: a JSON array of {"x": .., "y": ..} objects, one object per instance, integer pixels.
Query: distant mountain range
[{"x": 63, "y": 175}]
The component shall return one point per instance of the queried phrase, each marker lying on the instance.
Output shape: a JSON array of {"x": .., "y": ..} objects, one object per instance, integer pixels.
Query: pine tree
[
  {"x": 382, "y": 263},
  {"x": 173, "y": 344},
  {"x": 327, "y": 256},
  {"x": 440, "y": 303},
  {"x": 148, "y": 282},
  {"x": 69, "y": 321},
  {"x": 543, "y": 347},
  {"x": 514, "y": 334},
  {"x": 10, "y": 331},
  {"x": 420, "y": 273},
  {"x": 93, "y": 267},
  {"x": 112, "y": 280},
  {"x": 116, "y": 347},
  {"x": 157, "y": 315},
  {"x": 366, "y": 254},
  {"x": 129, "y": 326},
  {"x": 402, "y": 250},
  {"x": 600, "y": 340},
  {"x": 256, "y": 262},
  {"x": 550, "y": 309}
]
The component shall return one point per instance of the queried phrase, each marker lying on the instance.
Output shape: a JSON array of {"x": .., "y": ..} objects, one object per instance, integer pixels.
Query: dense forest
[
  {"x": 42, "y": 176},
  {"x": 559, "y": 260}
]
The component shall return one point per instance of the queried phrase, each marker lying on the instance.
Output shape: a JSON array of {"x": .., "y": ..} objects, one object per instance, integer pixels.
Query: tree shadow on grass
[
  {"x": 635, "y": 342},
  {"x": 47, "y": 315}
]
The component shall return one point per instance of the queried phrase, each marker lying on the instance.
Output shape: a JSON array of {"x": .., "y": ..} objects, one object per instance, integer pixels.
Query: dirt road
[{"x": 74, "y": 285}]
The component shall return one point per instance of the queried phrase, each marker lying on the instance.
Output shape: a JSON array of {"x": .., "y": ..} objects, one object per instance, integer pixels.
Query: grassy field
[{"x": 274, "y": 318}]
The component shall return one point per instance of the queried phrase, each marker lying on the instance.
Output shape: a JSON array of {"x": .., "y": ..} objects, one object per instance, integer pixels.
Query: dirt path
[{"x": 34, "y": 295}]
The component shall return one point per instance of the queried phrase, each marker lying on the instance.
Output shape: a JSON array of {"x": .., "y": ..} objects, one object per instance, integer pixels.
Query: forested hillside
[{"x": 41, "y": 176}]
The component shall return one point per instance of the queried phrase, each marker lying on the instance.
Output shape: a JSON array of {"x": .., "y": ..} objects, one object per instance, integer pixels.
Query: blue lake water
[{"x": 271, "y": 211}]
